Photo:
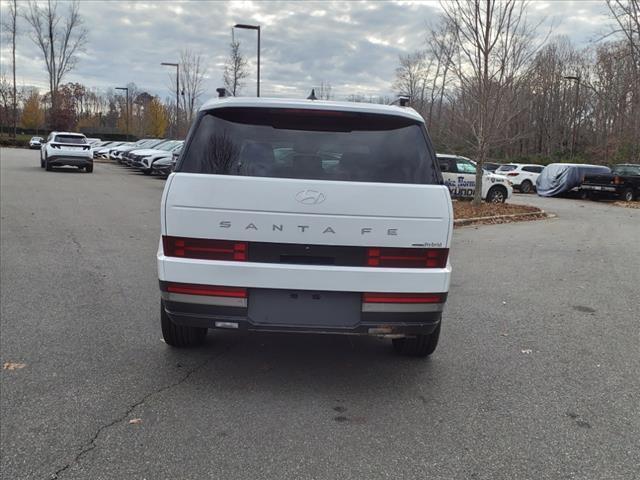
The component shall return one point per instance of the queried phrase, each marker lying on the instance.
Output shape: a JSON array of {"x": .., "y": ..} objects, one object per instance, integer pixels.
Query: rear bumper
[
  {"x": 70, "y": 160},
  {"x": 234, "y": 315},
  {"x": 601, "y": 189}
]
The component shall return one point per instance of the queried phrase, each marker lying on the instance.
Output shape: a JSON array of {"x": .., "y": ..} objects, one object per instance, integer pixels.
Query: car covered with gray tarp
[{"x": 561, "y": 178}]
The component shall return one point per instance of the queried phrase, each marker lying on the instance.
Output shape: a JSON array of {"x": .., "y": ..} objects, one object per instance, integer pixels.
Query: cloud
[{"x": 353, "y": 46}]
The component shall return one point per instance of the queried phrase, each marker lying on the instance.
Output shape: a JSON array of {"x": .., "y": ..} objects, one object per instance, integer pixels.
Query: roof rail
[
  {"x": 402, "y": 100},
  {"x": 223, "y": 92}
]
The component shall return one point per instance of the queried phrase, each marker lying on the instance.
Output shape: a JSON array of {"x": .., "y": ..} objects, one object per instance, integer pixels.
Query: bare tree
[
  {"x": 411, "y": 78},
  {"x": 441, "y": 47},
  {"x": 627, "y": 16},
  {"x": 5, "y": 95},
  {"x": 59, "y": 37},
  {"x": 235, "y": 69},
  {"x": 626, "y": 13},
  {"x": 192, "y": 72},
  {"x": 10, "y": 25},
  {"x": 325, "y": 91},
  {"x": 495, "y": 45}
]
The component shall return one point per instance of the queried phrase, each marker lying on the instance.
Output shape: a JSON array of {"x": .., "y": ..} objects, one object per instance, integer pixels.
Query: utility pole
[{"x": 256, "y": 28}]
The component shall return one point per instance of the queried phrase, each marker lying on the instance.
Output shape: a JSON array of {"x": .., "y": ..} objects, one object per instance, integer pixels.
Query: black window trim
[{"x": 194, "y": 126}]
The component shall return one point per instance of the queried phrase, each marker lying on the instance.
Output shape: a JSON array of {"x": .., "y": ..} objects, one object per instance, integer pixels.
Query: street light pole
[
  {"x": 576, "y": 119},
  {"x": 126, "y": 89},
  {"x": 257, "y": 28},
  {"x": 177, "y": 65}
]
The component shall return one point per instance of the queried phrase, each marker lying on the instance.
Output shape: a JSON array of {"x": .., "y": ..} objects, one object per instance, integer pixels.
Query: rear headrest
[{"x": 257, "y": 159}]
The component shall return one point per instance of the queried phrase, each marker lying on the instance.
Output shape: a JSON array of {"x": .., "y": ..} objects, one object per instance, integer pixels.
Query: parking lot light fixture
[
  {"x": 177, "y": 65},
  {"x": 256, "y": 28},
  {"x": 126, "y": 89}
]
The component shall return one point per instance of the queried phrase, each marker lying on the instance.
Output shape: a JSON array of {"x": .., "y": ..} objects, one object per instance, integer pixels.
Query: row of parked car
[
  {"x": 573, "y": 179},
  {"x": 158, "y": 156},
  {"x": 149, "y": 155}
]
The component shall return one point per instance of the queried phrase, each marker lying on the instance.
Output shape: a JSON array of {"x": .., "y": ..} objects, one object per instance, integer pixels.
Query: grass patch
[{"x": 22, "y": 139}]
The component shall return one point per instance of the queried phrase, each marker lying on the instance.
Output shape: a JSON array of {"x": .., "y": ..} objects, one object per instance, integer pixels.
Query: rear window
[
  {"x": 532, "y": 169},
  {"x": 309, "y": 144},
  {"x": 70, "y": 139},
  {"x": 626, "y": 170},
  {"x": 506, "y": 168}
]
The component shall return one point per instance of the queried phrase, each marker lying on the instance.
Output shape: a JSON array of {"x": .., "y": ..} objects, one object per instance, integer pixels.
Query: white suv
[
  {"x": 305, "y": 216},
  {"x": 522, "y": 175},
  {"x": 65, "y": 148},
  {"x": 459, "y": 175}
]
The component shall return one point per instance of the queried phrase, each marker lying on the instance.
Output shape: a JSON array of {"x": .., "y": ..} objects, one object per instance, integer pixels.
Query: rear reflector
[
  {"x": 407, "y": 257},
  {"x": 204, "y": 249},
  {"x": 205, "y": 290},
  {"x": 403, "y": 297}
]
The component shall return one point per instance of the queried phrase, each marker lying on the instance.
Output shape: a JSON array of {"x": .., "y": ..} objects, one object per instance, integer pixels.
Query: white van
[{"x": 306, "y": 216}]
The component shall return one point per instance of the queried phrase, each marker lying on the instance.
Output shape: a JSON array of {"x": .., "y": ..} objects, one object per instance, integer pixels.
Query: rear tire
[
  {"x": 48, "y": 166},
  {"x": 627, "y": 195},
  {"x": 497, "y": 195},
  {"x": 418, "y": 346},
  {"x": 178, "y": 335},
  {"x": 526, "y": 187},
  {"x": 88, "y": 168}
]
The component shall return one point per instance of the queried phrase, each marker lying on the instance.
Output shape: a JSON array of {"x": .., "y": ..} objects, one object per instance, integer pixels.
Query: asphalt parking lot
[{"x": 537, "y": 375}]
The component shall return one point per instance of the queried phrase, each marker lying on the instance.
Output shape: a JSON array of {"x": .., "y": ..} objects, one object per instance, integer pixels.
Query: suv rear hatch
[{"x": 306, "y": 194}]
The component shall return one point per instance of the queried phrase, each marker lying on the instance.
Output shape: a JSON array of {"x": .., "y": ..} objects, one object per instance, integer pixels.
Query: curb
[{"x": 469, "y": 221}]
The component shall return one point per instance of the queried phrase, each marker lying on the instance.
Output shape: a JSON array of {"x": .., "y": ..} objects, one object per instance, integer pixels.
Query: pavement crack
[
  {"x": 91, "y": 444},
  {"x": 75, "y": 242}
]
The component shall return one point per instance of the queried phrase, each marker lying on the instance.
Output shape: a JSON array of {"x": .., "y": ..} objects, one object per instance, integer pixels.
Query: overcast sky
[{"x": 352, "y": 45}]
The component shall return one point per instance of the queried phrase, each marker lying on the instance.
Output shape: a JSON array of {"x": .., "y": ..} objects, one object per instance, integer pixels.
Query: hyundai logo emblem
[{"x": 310, "y": 197}]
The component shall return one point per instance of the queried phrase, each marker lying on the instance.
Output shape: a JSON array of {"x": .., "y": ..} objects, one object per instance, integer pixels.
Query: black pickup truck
[{"x": 623, "y": 182}]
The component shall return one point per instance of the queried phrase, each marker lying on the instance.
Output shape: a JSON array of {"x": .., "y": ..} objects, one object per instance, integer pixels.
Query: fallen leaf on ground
[
  {"x": 13, "y": 366},
  {"x": 135, "y": 421}
]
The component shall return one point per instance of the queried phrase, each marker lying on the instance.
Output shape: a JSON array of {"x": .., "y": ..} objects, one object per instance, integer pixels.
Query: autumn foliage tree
[
  {"x": 32, "y": 113},
  {"x": 157, "y": 119}
]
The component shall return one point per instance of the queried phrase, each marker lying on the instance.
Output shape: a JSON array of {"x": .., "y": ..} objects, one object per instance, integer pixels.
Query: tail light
[
  {"x": 513, "y": 174},
  {"x": 404, "y": 297},
  {"x": 617, "y": 180},
  {"x": 407, "y": 257},
  {"x": 204, "y": 249},
  {"x": 204, "y": 290}
]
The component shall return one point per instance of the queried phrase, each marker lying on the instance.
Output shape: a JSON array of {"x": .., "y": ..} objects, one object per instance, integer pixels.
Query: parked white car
[
  {"x": 35, "y": 142},
  {"x": 145, "y": 158},
  {"x": 459, "y": 174},
  {"x": 306, "y": 216},
  {"x": 66, "y": 148},
  {"x": 103, "y": 150},
  {"x": 523, "y": 176}
]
